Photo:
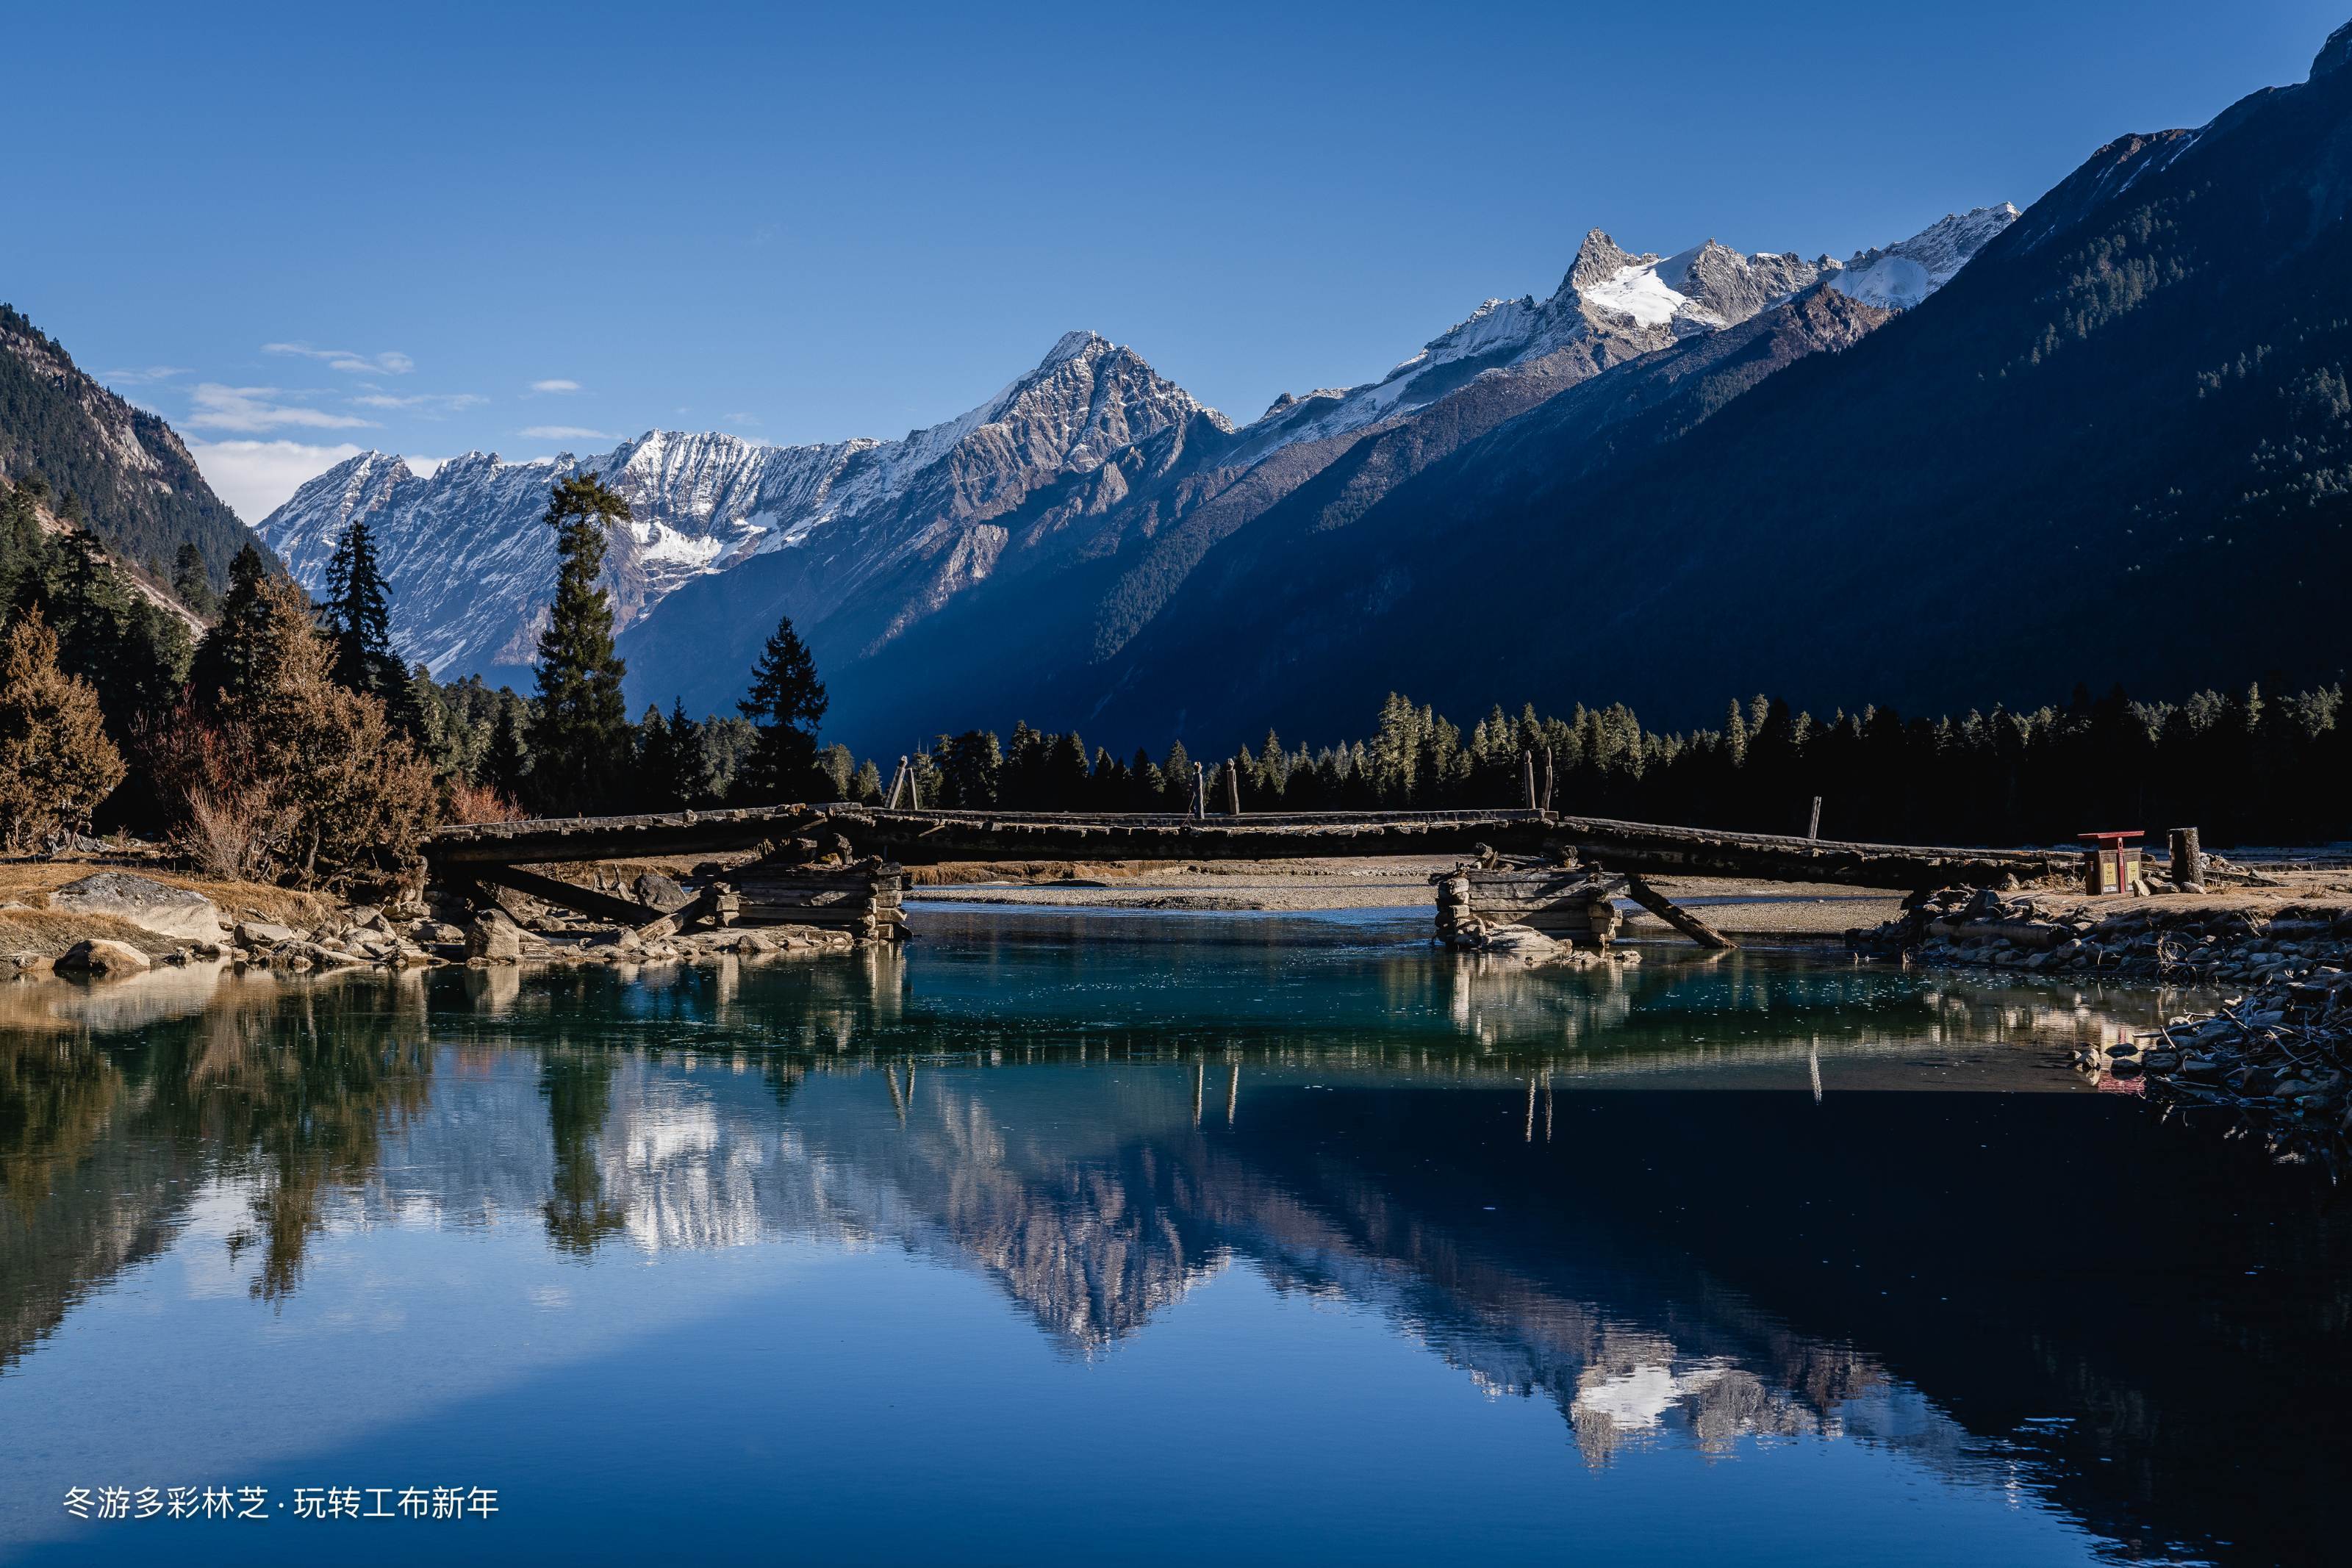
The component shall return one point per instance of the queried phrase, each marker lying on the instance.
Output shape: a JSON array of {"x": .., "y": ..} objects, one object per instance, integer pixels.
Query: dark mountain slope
[
  {"x": 1322, "y": 578},
  {"x": 2118, "y": 446},
  {"x": 127, "y": 468},
  {"x": 1094, "y": 563}
]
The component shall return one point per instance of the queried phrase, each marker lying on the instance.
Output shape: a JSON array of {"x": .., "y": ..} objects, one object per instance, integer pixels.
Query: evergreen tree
[
  {"x": 838, "y": 767},
  {"x": 1177, "y": 788},
  {"x": 358, "y": 615},
  {"x": 674, "y": 760},
  {"x": 580, "y": 730},
  {"x": 506, "y": 762},
  {"x": 192, "y": 580},
  {"x": 786, "y": 702},
  {"x": 245, "y": 643}
]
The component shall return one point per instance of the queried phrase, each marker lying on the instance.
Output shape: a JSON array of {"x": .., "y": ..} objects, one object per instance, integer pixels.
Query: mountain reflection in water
[{"x": 1698, "y": 1203}]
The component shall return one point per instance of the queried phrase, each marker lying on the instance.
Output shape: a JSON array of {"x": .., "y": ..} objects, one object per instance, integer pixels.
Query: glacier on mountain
[{"x": 1900, "y": 276}]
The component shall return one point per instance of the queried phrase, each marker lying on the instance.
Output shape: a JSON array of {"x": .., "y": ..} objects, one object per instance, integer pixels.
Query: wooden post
[
  {"x": 1813, "y": 828},
  {"x": 1527, "y": 767},
  {"x": 1200, "y": 793},
  {"x": 1233, "y": 787},
  {"x": 897, "y": 783},
  {"x": 914, "y": 789},
  {"x": 1546, "y": 789},
  {"x": 2188, "y": 861}
]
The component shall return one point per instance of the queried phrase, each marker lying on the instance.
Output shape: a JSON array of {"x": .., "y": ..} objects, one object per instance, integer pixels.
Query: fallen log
[
  {"x": 1673, "y": 915},
  {"x": 567, "y": 894}
]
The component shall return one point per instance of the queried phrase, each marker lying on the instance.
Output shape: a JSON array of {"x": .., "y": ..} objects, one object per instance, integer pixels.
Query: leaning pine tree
[
  {"x": 579, "y": 729},
  {"x": 786, "y": 702}
]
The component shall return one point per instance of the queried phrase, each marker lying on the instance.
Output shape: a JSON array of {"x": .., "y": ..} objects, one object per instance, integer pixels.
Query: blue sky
[{"x": 296, "y": 232}]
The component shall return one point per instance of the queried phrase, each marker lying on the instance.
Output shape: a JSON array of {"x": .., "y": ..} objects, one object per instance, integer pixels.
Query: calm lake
[{"x": 1145, "y": 1238}]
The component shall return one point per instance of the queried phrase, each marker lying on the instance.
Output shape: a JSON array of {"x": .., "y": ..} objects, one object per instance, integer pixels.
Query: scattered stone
[
  {"x": 1521, "y": 942},
  {"x": 262, "y": 934},
  {"x": 100, "y": 956},
  {"x": 143, "y": 902}
]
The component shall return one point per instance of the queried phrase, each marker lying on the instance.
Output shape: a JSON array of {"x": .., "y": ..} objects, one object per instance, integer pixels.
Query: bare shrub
[{"x": 472, "y": 803}]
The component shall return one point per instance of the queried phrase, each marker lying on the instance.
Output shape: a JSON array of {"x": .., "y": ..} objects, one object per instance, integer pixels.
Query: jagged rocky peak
[
  {"x": 1731, "y": 286},
  {"x": 1088, "y": 398},
  {"x": 1599, "y": 260}
]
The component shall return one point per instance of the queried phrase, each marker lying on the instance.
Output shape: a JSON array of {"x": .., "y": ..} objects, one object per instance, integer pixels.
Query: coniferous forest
[{"x": 269, "y": 736}]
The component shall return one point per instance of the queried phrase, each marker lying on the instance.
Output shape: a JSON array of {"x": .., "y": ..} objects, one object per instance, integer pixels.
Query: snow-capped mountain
[
  {"x": 1089, "y": 463},
  {"x": 470, "y": 567},
  {"x": 1900, "y": 276},
  {"x": 1635, "y": 303}
]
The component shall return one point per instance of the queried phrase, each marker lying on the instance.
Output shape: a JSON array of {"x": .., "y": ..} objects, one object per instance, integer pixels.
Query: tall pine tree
[
  {"x": 244, "y": 647},
  {"x": 787, "y": 702},
  {"x": 358, "y": 615},
  {"x": 580, "y": 745}
]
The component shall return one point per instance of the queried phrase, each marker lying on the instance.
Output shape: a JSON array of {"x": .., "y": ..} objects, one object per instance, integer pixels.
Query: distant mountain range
[
  {"x": 2108, "y": 439},
  {"x": 1036, "y": 534}
]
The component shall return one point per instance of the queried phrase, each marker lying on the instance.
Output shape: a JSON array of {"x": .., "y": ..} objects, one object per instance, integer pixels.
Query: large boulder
[
  {"x": 150, "y": 906},
  {"x": 100, "y": 956},
  {"x": 494, "y": 937},
  {"x": 655, "y": 891}
]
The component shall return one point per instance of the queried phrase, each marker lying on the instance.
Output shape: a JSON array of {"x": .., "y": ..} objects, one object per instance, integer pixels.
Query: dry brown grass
[
  {"x": 39, "y": 930},
  {"x": 32, "y": 881}
]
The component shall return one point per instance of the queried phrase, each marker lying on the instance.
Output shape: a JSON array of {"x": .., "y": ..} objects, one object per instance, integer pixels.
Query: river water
[{"x": 1144, "y": 1238}]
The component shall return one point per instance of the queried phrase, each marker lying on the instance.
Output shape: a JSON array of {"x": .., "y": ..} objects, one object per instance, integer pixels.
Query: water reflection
[{"x": 1097, "y": 1130}]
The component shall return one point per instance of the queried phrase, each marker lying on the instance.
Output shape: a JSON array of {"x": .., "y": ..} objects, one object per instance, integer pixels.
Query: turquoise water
[{"x": 1059, "y": 1236}]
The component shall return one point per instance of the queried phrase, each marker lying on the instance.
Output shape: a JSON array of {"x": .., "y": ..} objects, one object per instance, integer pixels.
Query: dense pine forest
[{"x": 265, "y": 735}]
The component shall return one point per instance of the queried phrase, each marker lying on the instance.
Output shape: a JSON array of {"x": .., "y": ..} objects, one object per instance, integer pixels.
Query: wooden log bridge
[{"x": 926, "y": 838}]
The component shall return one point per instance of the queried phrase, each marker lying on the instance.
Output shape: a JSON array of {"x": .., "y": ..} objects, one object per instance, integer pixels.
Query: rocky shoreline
[
  {"x": 2175, "y": 941},
  {"x": 136, "y": 922},
  {"x": 2272, "y": 1062}
]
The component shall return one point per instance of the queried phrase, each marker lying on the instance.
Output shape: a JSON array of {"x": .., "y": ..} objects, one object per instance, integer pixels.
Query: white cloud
[
  {"x": 390, "y": 362},
  {"x": 140, "y": 376},
  {"x": 555, "y": 384},
  {"x": 219, "y": 407},
  {"x": 564, "y": 432},
  {"x": 422, "y": 467},
  {"x": 430, "y": 405},
  {"x": 256, "y": 478},
  {"x": 739, "y": 419}
]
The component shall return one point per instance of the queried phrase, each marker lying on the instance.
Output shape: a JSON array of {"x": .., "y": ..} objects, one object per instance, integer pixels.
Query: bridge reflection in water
[{"x": 1513, "y": 1168}]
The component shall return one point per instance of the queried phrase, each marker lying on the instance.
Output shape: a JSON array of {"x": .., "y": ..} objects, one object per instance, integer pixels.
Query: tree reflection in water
[{"x": 1097, "y": 1132}]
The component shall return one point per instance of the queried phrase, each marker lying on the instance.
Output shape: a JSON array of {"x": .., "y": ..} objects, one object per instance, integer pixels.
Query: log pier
[{"x": 801, "y": 877}]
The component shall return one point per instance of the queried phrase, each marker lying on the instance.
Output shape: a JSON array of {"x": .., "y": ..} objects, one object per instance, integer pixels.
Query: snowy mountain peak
[
  {"x": 1899, "y": 276},
  {"x": 1070, "y": 346},
  {"x": 1598, "y": 259},
  {"x": 470, "y": 568}
]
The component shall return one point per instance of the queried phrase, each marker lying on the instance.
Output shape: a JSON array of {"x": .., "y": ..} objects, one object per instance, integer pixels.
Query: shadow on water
[{"x": 1695, "y": 1203}]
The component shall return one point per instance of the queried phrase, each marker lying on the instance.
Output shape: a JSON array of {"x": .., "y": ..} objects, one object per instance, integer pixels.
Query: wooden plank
[
  {"x": 569, "y": 895},
  {"x": 1673, "y": 915},
  {"x": 928, "y": 837}
]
